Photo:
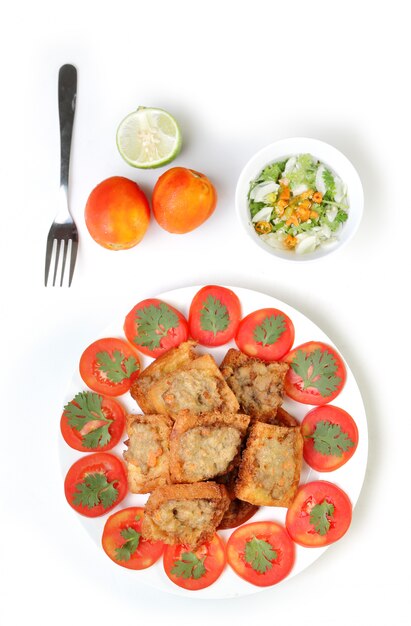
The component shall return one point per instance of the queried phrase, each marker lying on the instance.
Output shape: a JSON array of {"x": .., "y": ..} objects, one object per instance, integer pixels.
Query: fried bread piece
[
  {"x": 270, "y": 465},
  {"x": 283, "y": 418},
  {"x": 257, "y": 385},
  {"x": 198, "y": 386},
  {"x": 238, "y": 511},
  {"x": 280, "y": 417},
  {"x": 204, "y": 446},
  {"x": 187, "y": 514},
  {"x": 147, "y": 454},
  {"x": 170, "y": 361}
]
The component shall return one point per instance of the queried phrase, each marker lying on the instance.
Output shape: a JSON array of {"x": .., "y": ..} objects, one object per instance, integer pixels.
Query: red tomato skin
[
  {"x": 215, "y": 562},
  {"x": 292, "y": 382},
  {"x": 94, "y": 379},
  {"x": 298, "y": 515},
  {"x": 247, "y": 344},
  {"x": 147, "y": 553},
  {"x": 227, "y": 298},
  {"x": 334, "y": 415},
  {"x": 273, "y": 533},
  {"x": 171, "y": 340},
  {"x": 113, "y": 410},
  {"x": 104, "y": 462}
]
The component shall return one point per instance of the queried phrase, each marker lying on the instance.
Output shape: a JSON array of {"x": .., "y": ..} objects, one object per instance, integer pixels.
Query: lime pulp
[{"x": 149, "y": 138}]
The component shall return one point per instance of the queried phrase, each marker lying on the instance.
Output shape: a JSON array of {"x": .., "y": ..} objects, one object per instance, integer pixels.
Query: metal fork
[{"x": 63, "y": 231}]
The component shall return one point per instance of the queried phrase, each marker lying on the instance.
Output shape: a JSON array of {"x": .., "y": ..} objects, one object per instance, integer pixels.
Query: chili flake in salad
[{"x": 298, "y": 204}]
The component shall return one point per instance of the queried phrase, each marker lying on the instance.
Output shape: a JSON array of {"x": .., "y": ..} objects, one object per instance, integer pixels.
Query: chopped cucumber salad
[{"x": 298, "y": 204}]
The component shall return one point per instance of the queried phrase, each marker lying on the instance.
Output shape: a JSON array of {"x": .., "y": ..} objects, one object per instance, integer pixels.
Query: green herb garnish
[
  {"x": 317, "y": 369},
  {"x": 260, "y": 555},
  {"x": 214, "y": 316},
  {"x": 153, "y": 324}
]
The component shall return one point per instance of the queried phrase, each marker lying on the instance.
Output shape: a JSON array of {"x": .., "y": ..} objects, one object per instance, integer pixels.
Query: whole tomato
[
  {"x": 117, "y": 213},
  {"x": 183, "y": 199}
]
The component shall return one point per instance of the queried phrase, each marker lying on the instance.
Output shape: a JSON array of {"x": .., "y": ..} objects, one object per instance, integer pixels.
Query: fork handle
[{"x": 67, "y": 92}]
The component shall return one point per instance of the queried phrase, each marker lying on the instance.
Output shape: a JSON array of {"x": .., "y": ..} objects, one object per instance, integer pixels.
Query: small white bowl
[{"x": 325, "y": 153}]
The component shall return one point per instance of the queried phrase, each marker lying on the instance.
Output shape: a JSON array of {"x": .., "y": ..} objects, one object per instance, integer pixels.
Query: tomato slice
[
  {"x": 320, "y": 514},
  {"x": 266, "y": 334},
  {"x": 330, "y": 438},
  {"x": 153, "y": 326},
  {"x": 214, "y": 316},
  {"x": 317, "y": 373},
  {"x": 109, "y": 366},
  {"x": 91, "y": 422},
  {"x": 95, "y": 484},
  {"x": 261, "y": 552},
  {"x": 123, "y": 543},
  {"x": 197, "y": 569}
]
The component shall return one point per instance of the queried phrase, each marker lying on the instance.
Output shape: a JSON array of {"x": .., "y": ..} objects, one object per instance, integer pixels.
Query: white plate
[{"x": 349, "y": 477}]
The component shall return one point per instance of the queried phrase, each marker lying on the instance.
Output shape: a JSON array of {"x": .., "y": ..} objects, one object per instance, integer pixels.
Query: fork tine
[
  {"x": 56, "y": 262},
  {"x": 65, "y": 244},
  {"x": 74, "y": 246},
  {"x": 49, "y": 252}
]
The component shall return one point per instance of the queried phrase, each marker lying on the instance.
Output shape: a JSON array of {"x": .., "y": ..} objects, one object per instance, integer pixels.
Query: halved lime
[{"x": 149, "y": 138}]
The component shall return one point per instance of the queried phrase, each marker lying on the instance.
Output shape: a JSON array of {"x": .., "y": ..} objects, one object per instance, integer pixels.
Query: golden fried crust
[
  {"x": 257, "y": 385},
  {"x": 147, "y": 454},
  {"x": 280, "y": 418},
  {"x": 239, "y": 511},
  {"x": 204, "y": 446},
  {"x": 185, "y": 514},
  {"x": 198, "y": 386},
  {"x": 270, "y": 466},
  {"x": 170, "y": 361},
  {"x": 283, "y": 418}
]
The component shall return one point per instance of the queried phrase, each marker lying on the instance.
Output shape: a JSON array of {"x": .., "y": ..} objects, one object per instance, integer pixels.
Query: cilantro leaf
[
  {"x": 94, "y": 490},
  {"x": 214, "y": 315},
  {"x": 272, "y": 172},
  {"x": 153, "y": 323},
  {"x": 127, "y": 549},
  {"x": 116, "y": 366},
  {"x": 330, "y": 439},
  {"x": 319, "y": 517},
  {"x": 317, "y": 369},
  {"x": 98, "y": 437},
  {"x": 329, "y": 181},
  {"x": 189, "y": 566},
  {"x": 304, "y": 172},
  {"x": 85, "y": 407},
  {"x": 260, "y": 555},
  {"x": 342, "y": 216},
  {"x": 270, "y": 330},
  {"x": 255, "y": 207}
]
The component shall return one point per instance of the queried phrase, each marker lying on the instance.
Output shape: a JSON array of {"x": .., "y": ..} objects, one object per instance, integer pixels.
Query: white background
[{"x": 237, "y": 76}]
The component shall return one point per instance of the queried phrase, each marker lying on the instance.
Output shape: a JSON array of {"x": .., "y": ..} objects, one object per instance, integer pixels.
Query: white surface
[
  {"x": 236, "y": 78},
  {"x": 325, "y": 153},
  {"x": 350, "y": 477}
]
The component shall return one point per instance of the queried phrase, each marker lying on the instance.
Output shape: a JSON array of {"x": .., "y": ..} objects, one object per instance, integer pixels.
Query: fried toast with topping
[
  {"x": 284, "y": 418},
  {"x": 238, "y": 511},
  {"x": 257, "y": 385},
  {"x": 205, "y": 446},
  {"x": 280, "y": 418},
  {"x": 197, "y": 386},
  {"x": 170, "y": 361},
  {"x": 188, "y": 513},
  {"x": 147, "y": 454},
  {"x": 270, "y": 467}
]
